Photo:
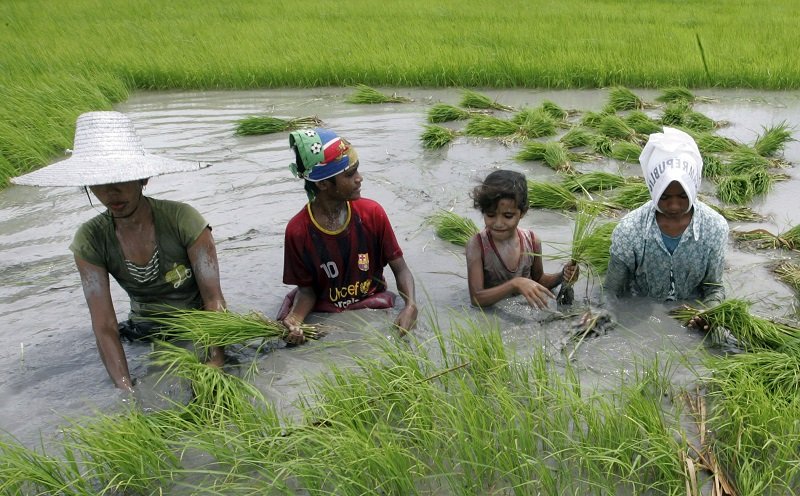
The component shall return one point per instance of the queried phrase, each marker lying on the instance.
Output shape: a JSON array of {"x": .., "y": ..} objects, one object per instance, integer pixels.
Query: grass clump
[
  {"x": 434, "y": 136},
  {"x": 474, "y": 100},
  {"x": 442, "y": 112},
  {"x": 256, "y": 125},
  {"x": 453, "y": 228},
  {"x": 364, "y": 94}
]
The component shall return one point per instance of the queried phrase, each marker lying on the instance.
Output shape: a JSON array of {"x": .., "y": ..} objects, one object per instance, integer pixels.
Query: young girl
[{"x": 504, "y": 260}]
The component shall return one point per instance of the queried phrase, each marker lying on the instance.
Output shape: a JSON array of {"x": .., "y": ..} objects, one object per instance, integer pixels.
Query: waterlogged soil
[{"x": 49, "y": 367}]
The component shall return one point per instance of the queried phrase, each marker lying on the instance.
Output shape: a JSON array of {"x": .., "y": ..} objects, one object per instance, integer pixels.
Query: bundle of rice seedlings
[
  {"x": 642, "y": 123},
  {"x": 712, "y": 167},
  {"x": 489, "y": 126},
  {"x": 614, "y": 127},
  {"x": 475, "y": 100},
  {"x": 762, "y": 181},
  {"x": 553, "y": 110},
  {"x": 593, "y": 181},
  {"x": 591, "y": 246},
  {"x": 789, "y": 273},
  {"x": 576, "y": 138},
  {"x": 753, "y": 333},
  {"x": 761, "y": 238},
  {"x": 267, "y": 125},
  {"x": 675, "y": 94},
  {"x": 773, "y": 140},
  {"x": 776, "y": 372},
  {"x": 621, "y": 98},
  {"x": 442, "y": 112},
  {"x": 534, "y": 123},
  {"x": 631, "y": 196},
  {"x": 551, "y": 153},
  {"x": 592, "y": 119},
  {"x": 434, "y": 136},
  {"x": 223, "y": 328},
  {"x": 626, "y": 151},
  {"x": 746, "y": 161},
  {"x": 453, "y": 228},
  {"x": 367, "y": 94},
  {"x": 714, "y": 143},
  {"x": 680, "y": 114},
  {"x": 736, "y": 214},
  {"x": 602, "y": 145},
  {"x": 737, "y": 190},
  {"x": 551, "y": 196}
]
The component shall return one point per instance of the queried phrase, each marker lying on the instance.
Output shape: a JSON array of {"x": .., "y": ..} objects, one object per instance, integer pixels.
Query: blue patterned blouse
[{"x": 641, "y": 265}]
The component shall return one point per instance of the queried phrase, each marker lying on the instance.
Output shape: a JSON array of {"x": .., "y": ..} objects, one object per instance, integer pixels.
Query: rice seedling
[
  {"x": 434, "y": 136},
  {"x": 763, "y": 239},
  {"x": 28, "y": 471},
  {"x": 592, "y": 119},
  {"x": 630, "y": 196},
  {"x": 602, "y": 145},
  {"x": 614, "y": 127},
  {"x": 626, "y": 151},
  {"x": 209, "y": 329},
  {"x": 713, "y": 167},
  {"x": 746, "y": 161},
  {"x": 552, "y": 153},
  {"x": 591, "y": 248},
  {"x": 737, "y": 190},
  {"x": 752, "y": 333},
  {"x": 474, "y": 100},
  {"x": 453, "y": 228},
  {"x": 489, "y": 126},
  {"x": 736, "y": 214},
  {"x": 680, "y": 114},
  {"x": 267, "y": 125},
  {"x": 576, "y": 138},
  {"x": 442, "y": 112},
  {"x": 534, "y": 123},
  {"x": 550, "y": 195},
  {"x": 554, "y": 110},
  {"x": 364, "y": 94},
  {"x": 675, "y": 94},
  {"x": 642, "y": 123},
  {"x": 773, "y": 140},
  {"x": 621, "y": 98},
  {"x": 713, "y": 143},
  {"x": 593, "y": 181},
  {"x": 789, "y": 273}
]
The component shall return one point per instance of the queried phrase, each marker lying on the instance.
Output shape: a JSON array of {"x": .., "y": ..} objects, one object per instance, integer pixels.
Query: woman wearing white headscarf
[
  {"x": 672, "y": 247},
  {"x": 160, "y": 252}
]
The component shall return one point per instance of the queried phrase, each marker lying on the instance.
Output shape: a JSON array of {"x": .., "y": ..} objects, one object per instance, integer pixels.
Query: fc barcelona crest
[{"x": 363, "y": 261}]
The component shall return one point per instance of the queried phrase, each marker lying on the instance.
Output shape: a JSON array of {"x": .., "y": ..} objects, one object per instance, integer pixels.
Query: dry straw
[
  {"x": 789, "y": 273},
  {"x": 763, "y": 239}
]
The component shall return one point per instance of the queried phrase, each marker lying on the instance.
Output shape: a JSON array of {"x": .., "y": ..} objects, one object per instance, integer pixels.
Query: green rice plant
[
  {"x": 746, "y": 161},
  {"x": 773, "y": 140},
  {"x": 621, "y": 98},
  {"x": 220, "y": 400},
  {"x": 534, "y": 123},
  {"x": 592, "y": 119},
  {"x": 736, "y": 214},
  {"x": 474, "y": 100},
  {"x": 453, "y": 228},
  {"x": 626, "y": 151},
  {"x": 552, "y": 153},
  {"x": 763, "y": 239},
  {"x": 435, "y": 137},
  {"x": 593, "y": 181},
  {"x": 709, "y": 143},
  {"x": 675, "y": 94},
  {"x": 752, "y": 333},
  {"x": 591, "y": 249},
  {"x": 28, "y": 471},
  {"x": 630, "y": 196},
  {"x": 267, "y": 125},
  {"x": 554, "y": 110},
  {"x": 489, "y": 126},
  {"x": 576, "y": 138},
  {"x": 364, "y": 94},
  {"x": 602, "y": 145},
  {"x": 550, "y": 195},
  {"x": 225, "y": 328},
  {"x": 615, "y": 128},
  {"x": 789, "y": 273},
  {"x": 713, "y": 167},
  {"x": 680, "y": 114},
  {"x": 442, "y": 112},
  {"x": 737, "y": 189},
  {"x": 642, "y": 123}
]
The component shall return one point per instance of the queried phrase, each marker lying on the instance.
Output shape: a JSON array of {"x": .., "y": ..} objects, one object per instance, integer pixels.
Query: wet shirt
[
  {"x": 345, "y": 266},
  {"x": 168, "y": 280},
  {"x": 495, "y": 271},
  {"x": 642, "y": 265}
]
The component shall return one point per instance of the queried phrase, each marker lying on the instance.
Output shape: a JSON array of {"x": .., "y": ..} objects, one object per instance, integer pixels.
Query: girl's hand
[
  {"x": 570, "y": 273},
  {"x": 535, "y": 293}
]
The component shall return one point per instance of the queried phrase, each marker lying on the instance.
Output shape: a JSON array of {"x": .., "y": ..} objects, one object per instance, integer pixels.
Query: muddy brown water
[{"x": 49, "y": 367}]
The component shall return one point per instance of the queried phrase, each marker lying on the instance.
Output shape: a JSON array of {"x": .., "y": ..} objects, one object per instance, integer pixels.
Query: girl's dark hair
[{"x": 499, "y": 185}]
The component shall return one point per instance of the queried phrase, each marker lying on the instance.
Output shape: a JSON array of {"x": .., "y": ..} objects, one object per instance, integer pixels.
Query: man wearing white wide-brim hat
[
  {"x": 160, "y": 252},
  {"x": 673, "y": 247}
]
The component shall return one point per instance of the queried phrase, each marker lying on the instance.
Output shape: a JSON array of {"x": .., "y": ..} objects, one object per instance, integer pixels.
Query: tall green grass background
[{"x": 60, "y": 59}]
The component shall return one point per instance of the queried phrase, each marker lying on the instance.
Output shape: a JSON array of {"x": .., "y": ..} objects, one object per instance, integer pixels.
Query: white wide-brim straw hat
[{"x": 106, "y": 150}]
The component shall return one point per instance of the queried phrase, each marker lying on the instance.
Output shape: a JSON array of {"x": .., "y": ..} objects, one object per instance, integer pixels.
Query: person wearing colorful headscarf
[
  {"x": 337, "y": 246},
  {"x": 673, "y": 247},
  {"x": 160, "y": 252}
]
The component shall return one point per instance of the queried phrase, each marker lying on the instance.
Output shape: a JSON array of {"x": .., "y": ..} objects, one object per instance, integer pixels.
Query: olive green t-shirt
[{"x": 177, "y": 227}]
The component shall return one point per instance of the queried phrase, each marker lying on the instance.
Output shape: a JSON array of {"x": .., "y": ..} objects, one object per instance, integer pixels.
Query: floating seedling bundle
[
  {"x": 442, "y": 112},
  {"x": 763, "y": 239},
  {"x": 789, "y": 273},
  {"x": 453, "y": 228},
  {"x": 621, "y": 98},
  {"x": 773, "y": 140},
  {"x": 631, "y": 196},
  {"x": 267, "y": 125},
  {"x": 553, "y": 153},
  {"x": 474, "y": 100},
  {"x": 368, "y": 95},
  {"x": 435, "y": 136}
]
